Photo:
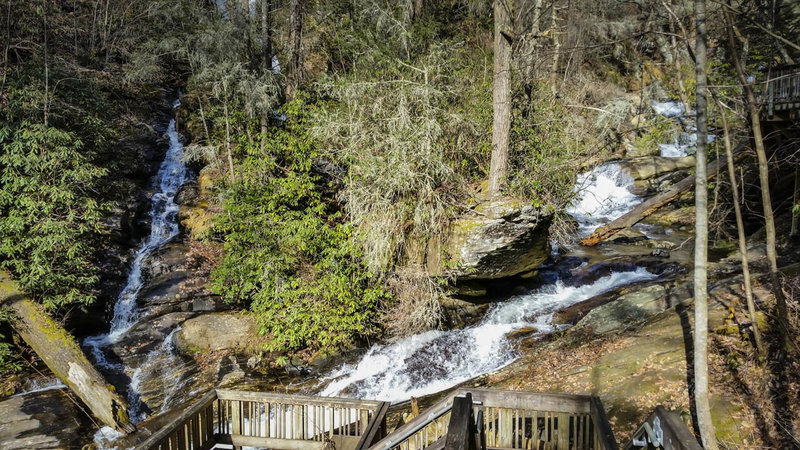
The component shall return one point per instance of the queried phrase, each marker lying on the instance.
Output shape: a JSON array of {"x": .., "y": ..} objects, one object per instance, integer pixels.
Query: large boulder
[
  {"x": 214, "y": 332},
  {"x": 649, "y": 167},
  {"x": 497, "y": 239}
]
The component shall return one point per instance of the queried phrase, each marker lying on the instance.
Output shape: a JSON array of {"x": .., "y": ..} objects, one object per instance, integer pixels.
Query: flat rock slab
[{"x": 43, "y": 420}]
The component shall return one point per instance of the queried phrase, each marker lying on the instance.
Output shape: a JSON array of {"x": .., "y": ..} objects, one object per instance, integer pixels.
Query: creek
[
  {"x": 172, "y": 173},
  {"x": 417, "y": 365}
]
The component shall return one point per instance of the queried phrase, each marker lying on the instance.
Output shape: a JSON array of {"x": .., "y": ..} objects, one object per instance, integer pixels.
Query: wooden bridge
[
  {"x": 782, "y": 95},
  {"x": 469, "y": 419}
]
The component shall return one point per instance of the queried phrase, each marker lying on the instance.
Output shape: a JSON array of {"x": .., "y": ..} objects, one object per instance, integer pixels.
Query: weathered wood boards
[
  {"x": 652, "y": 204},
  {"x": 64, "y": 357}
]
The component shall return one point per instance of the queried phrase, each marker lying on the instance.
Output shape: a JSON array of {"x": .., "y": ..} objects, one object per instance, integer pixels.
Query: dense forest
[{"x": 334, "y": 145}]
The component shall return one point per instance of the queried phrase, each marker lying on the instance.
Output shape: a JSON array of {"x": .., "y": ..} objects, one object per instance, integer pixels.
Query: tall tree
[
  {"x": 295, "y": 69},
  {"x": 501, "y": 103},
  {"x": 701, "y": 400},
  {"x": 763, "y": 176},
  {"x": 748, "y": 290}
]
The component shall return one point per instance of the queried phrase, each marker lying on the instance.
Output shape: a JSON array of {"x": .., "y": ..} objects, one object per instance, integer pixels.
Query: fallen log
[
  {"x": 652, "y": 204},
  {"x": 63, "y": 356}
]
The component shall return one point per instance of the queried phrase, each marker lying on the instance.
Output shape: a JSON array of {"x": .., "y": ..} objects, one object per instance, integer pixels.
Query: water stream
[
  {"x": 163, "y": 227},
  {"x": 429, "y": 362}
]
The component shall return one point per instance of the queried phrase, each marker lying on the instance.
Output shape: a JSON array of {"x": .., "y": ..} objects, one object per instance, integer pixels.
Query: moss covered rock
[{"x": 497, "y": 239}]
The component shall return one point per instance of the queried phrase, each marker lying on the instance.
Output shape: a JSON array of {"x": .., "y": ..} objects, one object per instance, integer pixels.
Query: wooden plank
[
  {"x": 228, "y": 394},
  {"x": 530, "y": 401},
  {"x": 652, "y": 204},
  {"x": 262, "y": 442},
  {"x": 162, "y": 434},
  {"x": 604, "y": 435},
  {"x": 417, "y": 423},
  {"x": 373, "y": 427},
  {"x": 460, "y": 430},
  {"x": 676, "y": 434}
]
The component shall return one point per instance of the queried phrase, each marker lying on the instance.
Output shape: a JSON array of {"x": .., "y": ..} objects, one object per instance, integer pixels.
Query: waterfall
[
  {"x": 684, "y": 143},
  {"x": 163, "y": 227},
  {"x": 603, "y": 195},
  {"x": 435, "y": 360}
]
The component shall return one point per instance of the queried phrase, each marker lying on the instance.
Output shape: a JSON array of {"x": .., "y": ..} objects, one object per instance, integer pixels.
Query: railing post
[{"x": 461, "y": 430}]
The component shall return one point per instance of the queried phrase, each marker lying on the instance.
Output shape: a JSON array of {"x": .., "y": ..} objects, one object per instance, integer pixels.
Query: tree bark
[
  {"x": 63, "y": 356},
  {"x": 763, "y": 176},
  {"x": 796, "y": 203},
  {"x": 701, "y": 400},
  {"x": 748, "y": 290},
  {"x": 556, "y": 49},
  {"x": 501, "y": 103},
  {"x": 266, "y": 34},
  {"x": 295, "y": 69}
]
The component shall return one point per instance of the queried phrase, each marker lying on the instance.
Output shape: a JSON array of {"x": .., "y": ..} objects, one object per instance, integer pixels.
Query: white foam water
[
  {"x": 436, "y": 360},
  {"x": 685, "y": 143},
  {"x": 40, "y": 386},
  {"x": 163, "y": 227},
  {"x": 603, "y": 195}
]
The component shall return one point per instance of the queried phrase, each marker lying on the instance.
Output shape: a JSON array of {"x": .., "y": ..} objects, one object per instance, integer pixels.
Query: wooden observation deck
[
  {"x": 468, "y": 419},
  {"x": 782, "y": 96}
]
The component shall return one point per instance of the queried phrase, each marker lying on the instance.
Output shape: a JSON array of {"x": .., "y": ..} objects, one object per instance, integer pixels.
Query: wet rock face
[
  {"x": 497, "y": 239},
  {"x": 43, "y": 420}
]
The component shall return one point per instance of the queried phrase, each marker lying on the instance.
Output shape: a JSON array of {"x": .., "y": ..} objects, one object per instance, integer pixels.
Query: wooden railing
[
  {"x": 269, "y": 420},
  {"x": 468, "y": 419},
  {"x": 512, "y": 420},
  {"x": 783, "y": 89},
  {"x": 663, "y": 429}
]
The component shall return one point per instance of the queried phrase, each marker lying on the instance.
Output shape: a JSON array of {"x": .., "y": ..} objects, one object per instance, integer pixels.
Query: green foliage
[
  {"x": 288, "y": 253},
  {"x": 48, "y": 207},
  {"x": 9, "y": 361},
  {"x": 544, "y": 149}
]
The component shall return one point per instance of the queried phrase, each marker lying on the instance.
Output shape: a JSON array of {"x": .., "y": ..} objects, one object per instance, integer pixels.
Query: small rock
[
  {"x": 660, "y": 253},
  {"x": 522, "y": 333}
]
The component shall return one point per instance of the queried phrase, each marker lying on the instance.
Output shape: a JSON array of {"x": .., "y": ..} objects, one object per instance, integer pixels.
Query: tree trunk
[
  {"x": 796, "y": 202},
  {"x": 556, "y": 48},
  {"x": 763, "y": 176},
  {"x": 295, "y": 69},
  {"x": 701, "y": 401},
  {"x": 501, "y": 104},
  {"x": 266, "y": 34},
  {"x": 46, "y": 66},
  {"x": 63, "y": 356},
  {"x": 748, "y": 291},
  {"x": 228, "y": 136}
]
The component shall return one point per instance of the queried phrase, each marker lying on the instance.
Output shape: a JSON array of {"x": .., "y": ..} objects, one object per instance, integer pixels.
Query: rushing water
[
  {"x": 685, "y": 143},
  {"x": 435, "y": 360},
  {"x": 429, "y": 362},
  {"x": 603, "y": 195},
  {"x": 163, "y": 227}
]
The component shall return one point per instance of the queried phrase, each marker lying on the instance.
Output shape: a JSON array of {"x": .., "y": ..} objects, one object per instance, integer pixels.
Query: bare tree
[
  {"x": 701, "y": 400},
  {"x": 294, "y": 73},
  {"x": 748, "y": 290},
  {"x": 501, "y": 103},
  {"x": 763, "y": 175}
]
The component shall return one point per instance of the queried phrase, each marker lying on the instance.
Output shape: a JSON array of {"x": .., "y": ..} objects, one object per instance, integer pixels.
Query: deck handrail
[
  {"x": 416, "y": 424},
  {"x": 663, "y": 429},
  {"x": 783, "y": 88}
]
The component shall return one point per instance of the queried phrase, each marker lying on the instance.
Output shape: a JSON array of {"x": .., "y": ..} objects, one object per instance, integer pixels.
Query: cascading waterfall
[
  {"x": 436, "y": 360},
  {"x": 684, "y": 143},
  {"x": 163, "y": 227},
  {"x": 604, "y": 194}
]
